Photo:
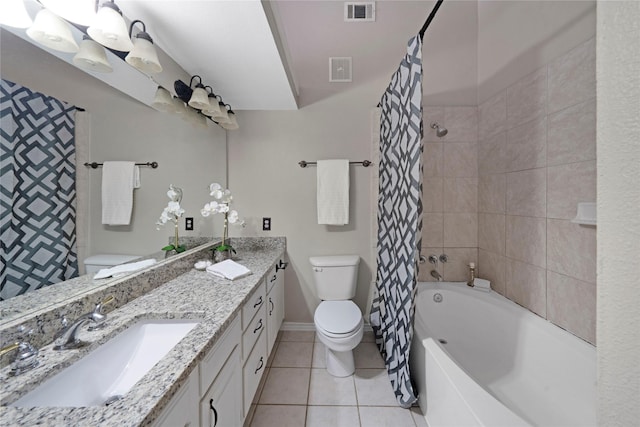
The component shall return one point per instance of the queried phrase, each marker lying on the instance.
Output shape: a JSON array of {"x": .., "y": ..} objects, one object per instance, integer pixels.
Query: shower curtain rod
[{"x": 430, "y": 18}]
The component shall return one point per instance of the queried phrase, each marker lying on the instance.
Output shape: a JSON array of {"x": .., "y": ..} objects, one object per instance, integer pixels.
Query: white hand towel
[
  {"x": 333, "y": 192},
  {"x": 228, "y": 269},
  {"x": 122, "y": 269},
  {"x": 118, "y": 181}
]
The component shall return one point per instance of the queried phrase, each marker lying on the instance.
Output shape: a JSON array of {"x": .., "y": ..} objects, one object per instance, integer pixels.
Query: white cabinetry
[
  {"x": 182, "y": 410},
  {"x": 254, "y": 343},
  {"x": 275, "y": 303}
]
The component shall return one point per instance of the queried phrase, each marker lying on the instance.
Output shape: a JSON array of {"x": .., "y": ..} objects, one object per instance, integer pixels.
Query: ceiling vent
[
  {"x": 360, "y": 12},
  {"x": 340, "y": 69}
]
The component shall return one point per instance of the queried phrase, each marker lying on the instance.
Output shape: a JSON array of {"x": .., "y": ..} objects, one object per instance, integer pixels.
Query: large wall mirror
[{"x": 118, "y": 127}]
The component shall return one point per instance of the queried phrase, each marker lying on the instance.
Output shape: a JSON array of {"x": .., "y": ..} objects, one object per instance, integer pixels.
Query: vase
[{"x": 219, "y": 256}]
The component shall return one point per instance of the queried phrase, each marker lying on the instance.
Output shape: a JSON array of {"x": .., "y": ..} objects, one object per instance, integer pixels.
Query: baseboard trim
[{"x": 302, "y": 326}]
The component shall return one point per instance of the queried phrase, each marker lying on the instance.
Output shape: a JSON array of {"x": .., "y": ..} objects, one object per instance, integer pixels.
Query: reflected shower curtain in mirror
[
  {"x": 37, "y": 191},
  {"x": 399, "y": 219}
]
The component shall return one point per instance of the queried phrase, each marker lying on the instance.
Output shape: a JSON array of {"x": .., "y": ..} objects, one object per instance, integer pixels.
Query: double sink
[{"x": 110, "y": 371}]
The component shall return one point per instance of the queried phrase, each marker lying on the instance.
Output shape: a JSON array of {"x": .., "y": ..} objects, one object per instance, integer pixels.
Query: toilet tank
[
  {"x": 97, "y": 262},
  {"x": 335, "y": 276}
]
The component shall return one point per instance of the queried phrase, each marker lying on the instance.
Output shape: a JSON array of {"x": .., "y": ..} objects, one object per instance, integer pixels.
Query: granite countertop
[{"x": 192, "y": 295}]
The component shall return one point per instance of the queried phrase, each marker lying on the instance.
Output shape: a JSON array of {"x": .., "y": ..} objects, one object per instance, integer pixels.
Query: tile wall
[
  {"x": 450, "y": 191},
  {"x": 536, "y": 159}
]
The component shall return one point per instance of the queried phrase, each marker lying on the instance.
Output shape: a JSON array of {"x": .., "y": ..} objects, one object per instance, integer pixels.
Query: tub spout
[{"x": 436, "y": 275}]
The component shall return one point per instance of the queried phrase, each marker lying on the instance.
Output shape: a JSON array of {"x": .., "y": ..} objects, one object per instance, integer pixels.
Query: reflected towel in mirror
[{"x": 228, "y": 269}]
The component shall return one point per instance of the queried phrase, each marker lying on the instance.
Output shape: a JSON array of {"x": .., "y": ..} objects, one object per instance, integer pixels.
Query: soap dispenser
[{"x": 472, "y": 274}]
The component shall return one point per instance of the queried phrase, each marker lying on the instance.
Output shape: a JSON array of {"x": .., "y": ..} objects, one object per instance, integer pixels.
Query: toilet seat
[{"x": 338, "y": 319}]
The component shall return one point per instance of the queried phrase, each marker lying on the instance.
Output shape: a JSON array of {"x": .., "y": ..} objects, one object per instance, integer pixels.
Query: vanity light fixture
[
  {"x": 163, "y": 101},
  {"x": 53, "y": 32},
  {"x": 109, "y": 28},
  {"x": 143, "y": 56},
  {"x": 81, "y": 12},
  {"x": 92, "y": 57},
  {"x": 214, "y": 107},
  {"x": 199, "y": 98},
  {"x": 232, "y": 124},
  {"x": 14, "y": 14}
]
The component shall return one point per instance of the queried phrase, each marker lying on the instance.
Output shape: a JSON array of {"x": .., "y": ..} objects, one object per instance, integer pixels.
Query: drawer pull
[
  {"x": 273, "y": 279},
  {"x": 215, "y": 413},
  {"x": 272, "y": 306},
  {"x": 260, "y": 365},
  {"x": 281, "y": 265},
  {"x": 258, "y": 302},
  {"x": 258, "y": 327}
]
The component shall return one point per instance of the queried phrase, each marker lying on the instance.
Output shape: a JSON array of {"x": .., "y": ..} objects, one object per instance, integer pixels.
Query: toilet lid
[{"x": 338, "y": 317}]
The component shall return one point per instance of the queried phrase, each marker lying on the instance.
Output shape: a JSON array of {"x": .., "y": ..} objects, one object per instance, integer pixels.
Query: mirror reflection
[{"x": 62, "y": 117}]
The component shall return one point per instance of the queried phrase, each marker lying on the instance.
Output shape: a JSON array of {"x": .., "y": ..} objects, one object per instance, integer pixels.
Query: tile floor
[{"x": 297, "y": 391}]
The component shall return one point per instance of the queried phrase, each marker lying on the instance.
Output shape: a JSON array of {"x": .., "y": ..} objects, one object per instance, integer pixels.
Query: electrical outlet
[
  {"x": 266, "y": 224},
  {"x": 188, "y": 223}
]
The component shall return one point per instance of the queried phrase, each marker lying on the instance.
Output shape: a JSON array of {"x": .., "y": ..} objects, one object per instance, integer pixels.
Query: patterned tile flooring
[{"x": 297, "y": 391}]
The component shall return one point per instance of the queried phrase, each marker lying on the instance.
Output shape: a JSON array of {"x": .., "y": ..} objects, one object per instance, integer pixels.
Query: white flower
[
  {"x": 232, "y": 217},
  {"x": 214, "y": 187},
  {"x": 173, "y": 211},
  {"x": 223, "y": 208},
  {"x": 172, "y": 194}
]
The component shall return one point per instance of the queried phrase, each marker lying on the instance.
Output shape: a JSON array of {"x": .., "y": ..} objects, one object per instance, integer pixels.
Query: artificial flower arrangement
[
  {"x": 221, "y": 204},
  {"x": 173, "y": 212}
]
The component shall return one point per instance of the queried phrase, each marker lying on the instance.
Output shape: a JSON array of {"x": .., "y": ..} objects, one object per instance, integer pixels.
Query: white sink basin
[{"x": 112, "y": 369}]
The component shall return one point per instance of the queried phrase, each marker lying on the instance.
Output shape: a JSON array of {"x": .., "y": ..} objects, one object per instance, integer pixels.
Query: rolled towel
[
  {"x": 122, "y": 269},
  {"x": 228, "y": 269}
]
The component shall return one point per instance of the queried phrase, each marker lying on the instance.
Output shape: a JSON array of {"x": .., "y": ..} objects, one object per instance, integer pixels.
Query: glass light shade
[
  {"x": 14, "y": 14},
  {"x": 214, "y": 107},
  {"x": 92, "y": 57},
  {"x": 53, "y": 32},
  {"x": 163, "y": 101},
  {"x": 109, "y": 28},
  {"x": 199, "y": 99},
  {"x": 179, "y": 107},
  {"x": 81, "y": 12},
  {"x": 201, "y": 120},
  {"x": 220, "y": 116},
  {"x": 232, "y": 124},
  {"x": 143, "y": 56}
]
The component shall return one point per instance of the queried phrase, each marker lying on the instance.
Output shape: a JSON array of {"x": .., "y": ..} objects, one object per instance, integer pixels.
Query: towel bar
[
  {"x": 365, "y": 163},
  {"x": 94, "y": 165}
]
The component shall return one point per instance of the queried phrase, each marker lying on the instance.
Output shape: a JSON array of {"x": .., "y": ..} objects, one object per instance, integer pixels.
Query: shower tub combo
[{"x": 479, "y": 359}]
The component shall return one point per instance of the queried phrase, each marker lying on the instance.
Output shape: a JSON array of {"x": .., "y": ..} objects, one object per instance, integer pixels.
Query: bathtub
[{"x": 478, "y": 359}]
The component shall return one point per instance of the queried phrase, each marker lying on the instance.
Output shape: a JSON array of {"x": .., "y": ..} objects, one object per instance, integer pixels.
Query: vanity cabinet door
[
  {"x": 275, "y": 305},
  {"x": 182, "y": 410},
  {"x": 221, "y": 405}
]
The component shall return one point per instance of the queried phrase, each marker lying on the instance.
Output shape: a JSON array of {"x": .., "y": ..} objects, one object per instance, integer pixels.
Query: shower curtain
[
  {"x": 37, "y": 191},
  {"x": 399, "y": 219}
]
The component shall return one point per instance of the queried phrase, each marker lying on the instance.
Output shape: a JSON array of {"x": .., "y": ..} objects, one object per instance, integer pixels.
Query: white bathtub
[{"x": 501, "y": 365}]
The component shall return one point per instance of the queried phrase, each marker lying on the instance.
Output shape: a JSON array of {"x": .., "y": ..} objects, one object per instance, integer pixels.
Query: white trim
[{"x": 302, "y": 326}]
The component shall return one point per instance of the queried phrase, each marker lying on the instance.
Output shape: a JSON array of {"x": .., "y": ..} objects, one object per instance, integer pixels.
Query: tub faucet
[
  {"x": 67, "y": 338},
  {"x": 436, "y": 275}
]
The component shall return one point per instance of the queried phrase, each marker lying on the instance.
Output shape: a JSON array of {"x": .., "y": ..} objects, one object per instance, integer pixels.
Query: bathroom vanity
[{"x": 210, "y": 376}]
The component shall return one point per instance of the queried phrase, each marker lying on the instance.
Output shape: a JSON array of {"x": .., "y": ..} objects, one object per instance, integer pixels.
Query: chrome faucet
[
  {"x": 436, "y": 275},
  {"x": 67, "y": 338},
  {"x": 26, "y": 357}
]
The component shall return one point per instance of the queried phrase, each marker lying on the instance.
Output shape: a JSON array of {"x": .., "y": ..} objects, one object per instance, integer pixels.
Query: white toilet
[
  {"x": 337, "y": 319},
  {"x": 95, "y": 263}
]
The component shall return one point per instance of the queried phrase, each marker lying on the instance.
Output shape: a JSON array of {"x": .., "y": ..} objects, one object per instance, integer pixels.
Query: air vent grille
[
  {"x": 340, "y": 69},
  {"x": 360, "y": 12}
]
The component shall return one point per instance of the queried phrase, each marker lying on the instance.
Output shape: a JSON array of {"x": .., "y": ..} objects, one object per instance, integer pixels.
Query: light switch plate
[{"x": 266, "y": 224}]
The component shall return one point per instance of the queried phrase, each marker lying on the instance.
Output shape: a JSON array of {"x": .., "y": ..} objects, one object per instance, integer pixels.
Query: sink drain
[
  {"x": 437, "y": 297},
  {"x": 112, "y": 399}
]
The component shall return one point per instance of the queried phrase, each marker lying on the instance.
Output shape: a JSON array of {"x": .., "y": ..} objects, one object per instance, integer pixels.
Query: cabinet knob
[{"x": 215, "y": 413}]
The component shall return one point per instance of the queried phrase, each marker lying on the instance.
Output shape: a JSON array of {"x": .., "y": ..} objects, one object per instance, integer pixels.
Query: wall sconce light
[
  {"x": 199, "y": 98},
  {"x": 81, "y": 12},
  {"x": 143, "y": 56},
  {"x": 92, "y": 57},
  {"x": 222, "y": 116},
  {"x": 163, "y": 101},
  {"x": 213, "y": 108},
  {"x": 232, "y": 123},
  {"x": 14, "y": 14},
  {"x": 53, "y": 32},
  {"x": 109, "y": 28},
  {"x": 179, "y": 106}
]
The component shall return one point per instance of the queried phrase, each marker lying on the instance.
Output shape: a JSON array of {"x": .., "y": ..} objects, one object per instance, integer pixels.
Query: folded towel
[
  {"x": 481, "y": 284},
  {"x": 333, "y": 192},
  {"x": 228, "y": 269},
  {"x": 118, "y": 181},
  {"x": 122, "y": 269}
]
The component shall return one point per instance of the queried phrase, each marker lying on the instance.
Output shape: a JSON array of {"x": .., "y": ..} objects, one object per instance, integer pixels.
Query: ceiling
[{"x": 274, "y": 55}]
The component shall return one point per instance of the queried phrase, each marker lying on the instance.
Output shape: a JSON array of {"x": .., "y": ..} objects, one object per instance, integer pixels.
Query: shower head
[{"x": 440, "y": 131}]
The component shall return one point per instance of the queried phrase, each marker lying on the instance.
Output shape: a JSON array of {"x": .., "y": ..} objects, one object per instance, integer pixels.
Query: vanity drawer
[
  {"x": 272, "y": 278},
  {"x": 253, "y": 304},
  {"x": 253, "y": 331},
  {"x": 253, "y": 370},
  {"x": 218, "y": 355}
]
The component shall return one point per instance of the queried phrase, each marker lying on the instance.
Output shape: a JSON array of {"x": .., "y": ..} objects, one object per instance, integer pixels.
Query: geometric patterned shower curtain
[
  {"x": 37, "y": 191},
  {"x": 399, "y": 220}
]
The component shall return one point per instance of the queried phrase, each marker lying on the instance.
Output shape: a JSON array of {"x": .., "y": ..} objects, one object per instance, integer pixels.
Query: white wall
[
  {"x": 618, "y": 136},
  {"x": 518, "y": 37}
]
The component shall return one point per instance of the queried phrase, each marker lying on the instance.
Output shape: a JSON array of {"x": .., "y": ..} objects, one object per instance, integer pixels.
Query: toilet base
[{"x": 339, "y": 363}]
